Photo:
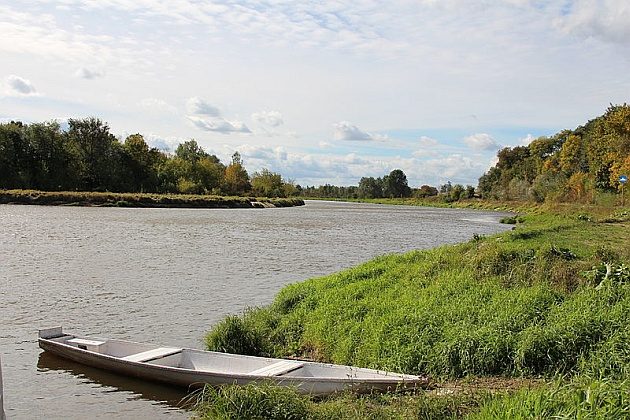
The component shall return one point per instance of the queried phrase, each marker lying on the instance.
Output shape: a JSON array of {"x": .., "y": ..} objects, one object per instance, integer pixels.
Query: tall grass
[
  {"x": 579, "y": 399},
  {"x": 275, "y": 403},
  {"x": 526, "y": 302}
]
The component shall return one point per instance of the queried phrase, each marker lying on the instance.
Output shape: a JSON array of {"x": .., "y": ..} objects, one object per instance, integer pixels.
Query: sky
[{"x": 321, "y": 92}]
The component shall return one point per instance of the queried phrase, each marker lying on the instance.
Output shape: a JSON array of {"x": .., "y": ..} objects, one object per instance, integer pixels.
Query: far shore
[{"x": 108, "y": 199}]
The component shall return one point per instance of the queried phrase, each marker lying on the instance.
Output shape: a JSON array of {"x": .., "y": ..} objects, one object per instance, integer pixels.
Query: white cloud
[
  {"x": 165, "y": 144},
  {"x": 425, "y": 141},
  {"x": 17, "y": 85},
  {"x": 424, "y": 153},
  {"x": 455, "y": 168},
  {"x": 363, "y": 60},
  {"x": 608, "y": 20},
  {"x": 271, "y": 154},
  {"x": 349, "y": 132},
  {"x": 199, "y": 106},
  {"x": 85, "y": 73},
  {"x": 525, "y": 141},
  {"x": 41, "y": 35},
  {"x": 156, "y": 104},
  {"x": 219, "y": 125},
  {"x": 347, "y": 169},
  {"x": 270, "y": 118},
  {"x": 481, "y": 141},
  {"x": 207, "y": 117}
]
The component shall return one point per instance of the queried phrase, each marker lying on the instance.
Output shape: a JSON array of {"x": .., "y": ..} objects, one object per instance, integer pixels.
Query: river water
[{"x": 167, "y": 275}]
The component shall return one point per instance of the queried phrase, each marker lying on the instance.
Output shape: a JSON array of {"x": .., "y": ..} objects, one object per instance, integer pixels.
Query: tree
[
  {"x": 142, "y": 163},
  {"x": 190, "y": 151},
  {"x": 470, "y": 191},
  {"x": 208, "y": 172},
  {"x": 426, "y": 191},
  {"x": 10, "y": 140},
  {"x": 446, "y": 188},
  {"x": 236, "y": 179},
  {"x": 170, "y": 172},
  {"x": 457, "y": 192},
  {"x": 370, "y": 187},
  {"x": 97, "y": 152},
  {"x": 52, "y": 164},
  {"x": 395, "y": 184},
  {"x": 267, "y": 184},
  {"x": 572, "y": 155}
]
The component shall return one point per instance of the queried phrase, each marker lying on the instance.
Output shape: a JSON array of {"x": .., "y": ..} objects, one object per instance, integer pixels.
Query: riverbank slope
[
  {"x": 107, "y": 199},
  {"x": 542, "y": 308}
]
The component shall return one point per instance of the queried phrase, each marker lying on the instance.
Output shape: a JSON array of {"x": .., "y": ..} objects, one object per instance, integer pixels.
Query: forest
[
  {"x": 572, "y": 165},
  {"x": 88, "y": 157}
]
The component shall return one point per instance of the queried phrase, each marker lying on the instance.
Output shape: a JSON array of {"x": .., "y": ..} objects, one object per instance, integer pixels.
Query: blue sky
[{"x": 322, "y": 92}]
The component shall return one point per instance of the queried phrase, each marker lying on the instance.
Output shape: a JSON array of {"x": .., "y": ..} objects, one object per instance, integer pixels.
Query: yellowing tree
[
  {"x": 571, "y": 154},
  {"x": 621, "y": 167},
  {"x": 236, "y": 180}
]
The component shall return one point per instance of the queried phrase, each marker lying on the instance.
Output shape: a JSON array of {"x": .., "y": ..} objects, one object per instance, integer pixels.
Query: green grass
[
  {"x": 275, "y": 403},
  {"x": 107, "y": 199},
  {"x": 532, "y": 302},
  {"x": 579, "y": 399}
]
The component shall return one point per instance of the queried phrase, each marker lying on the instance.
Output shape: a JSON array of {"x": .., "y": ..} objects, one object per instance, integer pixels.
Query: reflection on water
[
  {"x": 171, "y": 396},
  {"x": 165, "y": 276}
]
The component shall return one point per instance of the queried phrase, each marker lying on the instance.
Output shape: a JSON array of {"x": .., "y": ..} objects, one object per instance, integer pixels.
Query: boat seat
[
  {"x": 148, "y": 355},
  {"x": 278, "y": 368},
  {"x": 85, "y": 344}
]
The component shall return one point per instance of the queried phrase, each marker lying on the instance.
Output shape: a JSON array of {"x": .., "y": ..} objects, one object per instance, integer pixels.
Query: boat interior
[{"x": 219, "y": 363}]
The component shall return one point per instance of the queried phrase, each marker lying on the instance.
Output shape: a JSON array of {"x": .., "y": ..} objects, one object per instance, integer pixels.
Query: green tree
[
  {"x": 208, "y": 172},
  {"x": 395, "y": 184},
  {"x": 171, "y": 172},
  {"x": 190, "y": 151},
  {"x": 370, "y": 187},
  {"x": 10, "y": 141},
  {"x": 267, "y": 184},
  {"x": 142, "y": 163},
  {"x": 52, "y": 163},
  {"x": 98, "y": 153},
  {"x": 457, "y": 192}
]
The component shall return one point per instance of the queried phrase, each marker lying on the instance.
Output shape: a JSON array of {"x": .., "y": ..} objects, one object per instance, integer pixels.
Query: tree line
[
  {"x": 88, "y": 157},
  {"x": 393, "y": 185},
  {"x": 568, "y": 166}
]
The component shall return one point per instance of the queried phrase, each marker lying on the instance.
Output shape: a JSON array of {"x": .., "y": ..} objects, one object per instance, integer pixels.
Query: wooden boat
[{"x": 194, "y": 368}]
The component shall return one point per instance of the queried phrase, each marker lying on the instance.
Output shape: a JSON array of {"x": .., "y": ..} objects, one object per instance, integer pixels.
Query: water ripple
[{"x": 164, "y": 276}]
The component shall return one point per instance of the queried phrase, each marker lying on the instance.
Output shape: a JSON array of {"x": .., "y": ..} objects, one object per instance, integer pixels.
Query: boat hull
[{"x": 191, "y": 378}]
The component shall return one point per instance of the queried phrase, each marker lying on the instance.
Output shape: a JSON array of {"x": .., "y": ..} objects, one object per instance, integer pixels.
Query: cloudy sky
[{"x": 322, "y": 92}]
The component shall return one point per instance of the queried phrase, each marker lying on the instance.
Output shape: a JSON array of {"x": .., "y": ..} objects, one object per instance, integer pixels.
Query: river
[{"x": 165, "y": 276}]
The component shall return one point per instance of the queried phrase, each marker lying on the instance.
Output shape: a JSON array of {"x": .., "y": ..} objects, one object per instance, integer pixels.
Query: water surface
[{"x": 165, "y": 276}]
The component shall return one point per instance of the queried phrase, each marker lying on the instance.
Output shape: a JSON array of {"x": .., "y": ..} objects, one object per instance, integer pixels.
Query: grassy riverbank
[
  {"x": 601, "y": 203},
  {"x": 107, "y": 199},
  {"x": 542, "y": 308}
]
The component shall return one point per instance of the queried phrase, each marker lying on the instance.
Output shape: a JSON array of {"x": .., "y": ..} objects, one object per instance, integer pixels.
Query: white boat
[{"x": 194, "y": 368}]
